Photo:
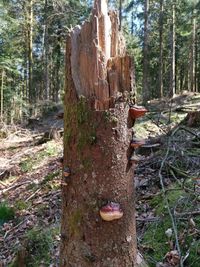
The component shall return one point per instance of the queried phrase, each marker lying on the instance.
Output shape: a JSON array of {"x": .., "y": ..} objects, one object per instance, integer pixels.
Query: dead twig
[
  {"x": 14, "y": 228},
  {"x": 174, "y": 226},
  {"x": 180, "y": 127},
  {"x": 189, "y": 213},
  {"x": 13, "y": 187},
  {"x": 32, "y": 196}
]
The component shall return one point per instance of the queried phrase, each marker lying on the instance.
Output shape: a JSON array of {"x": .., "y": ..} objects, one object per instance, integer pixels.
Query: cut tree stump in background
[
  {"x": 192, "y": 119},
  {"x": 99, "y": 79}
]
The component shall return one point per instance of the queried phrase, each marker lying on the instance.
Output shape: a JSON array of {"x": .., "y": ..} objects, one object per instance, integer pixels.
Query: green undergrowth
[
  {"x": 51, "y": 150},
  {"x": 38, "y": 244},
  {"x": 155, "y": 242},
  {"x": 3, "y": 134},
  {"x": 153, "y": 123},
  {"x": 6, "y": 213},
  {"x": 50, "y": 177},
  {"x": 173, "y": 193},
  {"x": 21, "y": 205},
  {"x": 158, "y": 245},
  {"x": 87, "y": 129}
]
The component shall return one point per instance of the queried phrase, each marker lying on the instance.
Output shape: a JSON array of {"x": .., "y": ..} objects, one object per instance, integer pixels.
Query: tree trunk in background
[
  {"x": 132, "y": 22},
  {"x": 26, "y": 45},
  {"x": 96, "y": 139},
  {"x": 198, "y": 63},
  {"x": 193, "y": 56},
  {"x": 30, "y": 51},
  {"x": 172, "y": 88},
  {"x": 46, "y": 55},
  {"x": 161, "y": 50},
  {"x": 46, "y": 64},
  {"x": 2, "y": 96},
  {"x": 145, "y": 92},
  {"x": 120, "y": 14},
  {"x": 57, "y": 59}
]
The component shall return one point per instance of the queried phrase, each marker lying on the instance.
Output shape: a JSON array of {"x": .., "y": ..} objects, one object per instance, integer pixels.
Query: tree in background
[
  {"x": 145, "y": 87},
  {"x": 160, "y": 88},
  {"x": 172, "y": 62},
  {"x": 172, "y": 86},
  {"x": 32, "y": 39}
]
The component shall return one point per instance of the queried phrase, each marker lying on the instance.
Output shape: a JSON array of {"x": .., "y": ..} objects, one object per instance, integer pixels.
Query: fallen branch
[
  {"x": 31, "y": 196},
  {"x": 14, "y": 228},
  {"x": 14, "y": 187},
  {"x": 178, "y": 171},
  {"x": 189, "y": 213},
  {"x": 174, "y": 226},
  {"x": 180, "y": 127}
]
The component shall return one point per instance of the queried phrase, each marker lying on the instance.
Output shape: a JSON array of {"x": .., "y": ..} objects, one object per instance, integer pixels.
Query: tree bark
[
  {"x": 30, "y": 51},
  {"x": 145, "y": 92},
  {"x": 196, "y": 63},
  {"x": 161, "y": 50},
  {"x": 2, "y": 93},
  {"x": 193, "y": 55},
  {"x": 56, "y": 69},
  {"x": 120, "y": 14},
  {"x": 46, "y": 59},
  {"x": 173, "y": 52},
  {"x": 99, "y": 78}
]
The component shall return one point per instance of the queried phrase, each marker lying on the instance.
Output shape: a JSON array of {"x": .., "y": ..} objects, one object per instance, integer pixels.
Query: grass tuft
[
  {"x": 38, "y": 246},
  {"x": 6, "y": 213}
]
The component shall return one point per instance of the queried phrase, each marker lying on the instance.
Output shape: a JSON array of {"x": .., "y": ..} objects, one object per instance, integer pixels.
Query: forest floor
[{"x": 167, "y": 184}]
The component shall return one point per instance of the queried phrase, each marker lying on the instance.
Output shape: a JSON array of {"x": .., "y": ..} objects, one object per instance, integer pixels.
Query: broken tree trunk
[{"x": 99, "y": 79}]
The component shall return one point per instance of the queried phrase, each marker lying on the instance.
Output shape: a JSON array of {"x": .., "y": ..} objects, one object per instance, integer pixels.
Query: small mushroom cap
[
  {"x": 135, "y": 159},
  {"x": 66, "y": 172},
  {"x": 111, "y": 211},
  {"x": 137, "y": 111},
  {"x": 135, "y": 143}
]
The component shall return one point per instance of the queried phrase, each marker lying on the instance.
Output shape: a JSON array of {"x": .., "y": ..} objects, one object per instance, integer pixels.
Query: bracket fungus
[
  {"x": 137, "y": 111},
  {"x": 134, "y": 159},
  {"x": 111, "y": 211},
  {"x": 135, "y": 142},
  {"x": 66, "y": 173}
]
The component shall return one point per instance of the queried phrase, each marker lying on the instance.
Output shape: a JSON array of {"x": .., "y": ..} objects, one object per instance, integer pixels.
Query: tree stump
[
  {"x": 192, "y": 119},
  {"x": 99, "y": 80}
]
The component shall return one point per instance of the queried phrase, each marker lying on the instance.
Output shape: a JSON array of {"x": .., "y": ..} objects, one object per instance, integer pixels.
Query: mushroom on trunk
[
  {"x": 135, "y": 142},
  {"x": 137, "y": 111},
  {"x": 66, "y": 172},
  {"x": 111, "y": 211},
  {"x": 135, "y": 159}
]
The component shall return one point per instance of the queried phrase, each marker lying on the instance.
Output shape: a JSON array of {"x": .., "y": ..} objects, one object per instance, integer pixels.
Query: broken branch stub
[{"x": 99, "y": 63}]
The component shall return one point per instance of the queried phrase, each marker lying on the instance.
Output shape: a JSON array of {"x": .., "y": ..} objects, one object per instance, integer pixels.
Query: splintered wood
[{"x": 99, "y": 64}]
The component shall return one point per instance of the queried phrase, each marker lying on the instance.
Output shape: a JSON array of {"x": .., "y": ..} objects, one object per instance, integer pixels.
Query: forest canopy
[{"x": 162, "y": 36}]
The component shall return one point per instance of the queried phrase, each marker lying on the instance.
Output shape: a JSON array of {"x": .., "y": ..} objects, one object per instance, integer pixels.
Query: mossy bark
[{"x": 98, "y": 174}]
